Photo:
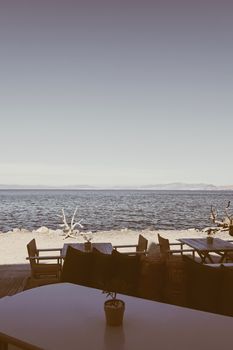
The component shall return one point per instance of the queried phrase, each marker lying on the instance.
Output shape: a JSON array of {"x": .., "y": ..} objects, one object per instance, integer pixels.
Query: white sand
[{"x": 13, "y": 244}]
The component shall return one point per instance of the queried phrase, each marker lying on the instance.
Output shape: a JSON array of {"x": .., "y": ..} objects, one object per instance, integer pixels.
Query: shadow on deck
[{"x": 13, "y": 278}]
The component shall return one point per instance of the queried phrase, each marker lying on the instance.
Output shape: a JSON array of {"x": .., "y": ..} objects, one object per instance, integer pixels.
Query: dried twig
[
  {"x": 69, "y": 229},
  {"x": 229, "y": 216},
  {"x": 222, "y": 225}
]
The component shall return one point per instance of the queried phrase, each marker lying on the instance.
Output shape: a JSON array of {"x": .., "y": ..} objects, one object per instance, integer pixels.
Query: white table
[{"x": 66, "y": 316}]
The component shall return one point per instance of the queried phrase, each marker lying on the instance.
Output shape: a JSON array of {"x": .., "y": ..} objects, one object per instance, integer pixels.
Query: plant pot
[
  {"x": 231, "y": 230},
  {"x": 114, "y": 312},
  {"x": 210, "y": 240},
  {"x": 87, "y": 246}
]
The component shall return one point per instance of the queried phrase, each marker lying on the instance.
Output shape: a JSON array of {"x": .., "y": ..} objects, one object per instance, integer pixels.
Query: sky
[{"x": 108, "y": 93}]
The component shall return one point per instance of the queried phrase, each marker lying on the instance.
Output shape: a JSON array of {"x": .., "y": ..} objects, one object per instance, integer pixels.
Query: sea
[{"x": 111, "y": 209}]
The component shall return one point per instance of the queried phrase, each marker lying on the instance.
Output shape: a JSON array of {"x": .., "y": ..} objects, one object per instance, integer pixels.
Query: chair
[
  {"x": 165, "y": 250},
  {"x": 225, "y": 305},
  {"x": 78, "y": 267},
  {"x": 44, "y": 269},
  {"x": 203, "y": 286},
  {"x": 140, "y": 247},
  {"x": 229, "y": 256}
]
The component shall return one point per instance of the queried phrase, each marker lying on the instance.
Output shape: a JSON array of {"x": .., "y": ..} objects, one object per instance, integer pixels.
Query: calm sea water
[{"x": 105, "y": 210}]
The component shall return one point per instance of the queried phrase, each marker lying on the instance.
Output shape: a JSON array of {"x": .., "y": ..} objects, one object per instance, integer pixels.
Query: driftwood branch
[
  {"x": 229, "y": 216},
  {"x": 221, "y": 225},
  {"x": 73, "y": 217},
  {"x": 68, "y": 229},
  {"x": 65, "y": 224},
  {"x": 213, "y": 217}
]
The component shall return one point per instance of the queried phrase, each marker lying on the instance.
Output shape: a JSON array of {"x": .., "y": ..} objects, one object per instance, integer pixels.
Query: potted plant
[
  {"x": 87, "y": 237},
  {"x": 210, "y": 239},
  {"x": 231, "y": 227},
  {"x": 114, "y": 309}
]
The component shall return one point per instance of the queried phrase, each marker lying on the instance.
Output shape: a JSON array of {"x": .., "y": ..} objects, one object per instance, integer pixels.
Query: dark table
[
  {"x": 204, "y": 246},
  {"x": 105, "y": 248}
]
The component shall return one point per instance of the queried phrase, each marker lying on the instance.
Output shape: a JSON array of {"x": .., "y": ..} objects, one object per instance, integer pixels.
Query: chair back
[
  {"x": 32, "y": 251},
  {"x": 200, "y": 280},
  {"x": 142, "y": 244},
  {"x": 164, "y": 246},
  {"x": 78, "y": 267}
]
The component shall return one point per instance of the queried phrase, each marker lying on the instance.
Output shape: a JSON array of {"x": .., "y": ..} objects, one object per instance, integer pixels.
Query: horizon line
[{"x": 168, "y": 186}]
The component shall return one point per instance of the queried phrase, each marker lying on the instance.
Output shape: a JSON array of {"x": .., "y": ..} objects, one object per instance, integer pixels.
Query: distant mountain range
[{"x": 176, "y": 186}]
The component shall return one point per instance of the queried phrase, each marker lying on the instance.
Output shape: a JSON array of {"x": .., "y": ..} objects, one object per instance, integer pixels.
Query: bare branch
[
  {"x": 213, "y": 214},
  {"x": 79, "y": 224},
  {"x": 213, "y": 217},
  {"x": 229, "y": 216},
  {"x": 64, "y": 220},
  {"x": 222, "y": 225},
  {"x": 72, "y": 220},
  {"x": 69, "y": 229}
]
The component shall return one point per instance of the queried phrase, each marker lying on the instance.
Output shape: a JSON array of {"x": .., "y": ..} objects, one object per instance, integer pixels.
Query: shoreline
[{"x": 13, "y": 244}]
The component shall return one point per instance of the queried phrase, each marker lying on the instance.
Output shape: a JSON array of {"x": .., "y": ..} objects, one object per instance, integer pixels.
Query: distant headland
[{"x": 175, "y": 186}]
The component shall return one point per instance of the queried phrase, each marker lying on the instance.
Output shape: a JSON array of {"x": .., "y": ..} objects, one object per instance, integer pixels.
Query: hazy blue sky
[{"x": 116, "y": 92}]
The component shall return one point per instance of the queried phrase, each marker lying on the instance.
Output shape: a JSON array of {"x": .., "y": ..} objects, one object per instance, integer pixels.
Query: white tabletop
[{"x": 66, "y": 316}]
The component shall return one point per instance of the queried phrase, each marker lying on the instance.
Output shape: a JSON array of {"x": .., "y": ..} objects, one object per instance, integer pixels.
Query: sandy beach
[{"x": 13, "y": 244}]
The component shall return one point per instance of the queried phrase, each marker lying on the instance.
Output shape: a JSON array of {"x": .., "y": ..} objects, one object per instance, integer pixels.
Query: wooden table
[
  {"x": 105, "y": 248},
  {"x": 66, "y": 316},
  {"x": 203, "y": 248}
]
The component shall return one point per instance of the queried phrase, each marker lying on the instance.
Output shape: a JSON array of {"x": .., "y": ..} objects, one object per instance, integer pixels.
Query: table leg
[
  {"x": 204, "y": 256},
  {"x": 3, "y": 345},
  {"x": 223, "y": 257}
]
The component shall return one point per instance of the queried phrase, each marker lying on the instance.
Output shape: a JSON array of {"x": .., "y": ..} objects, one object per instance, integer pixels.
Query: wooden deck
[
  {"x": 12, "y": 285},
  {"x": 13, "y": 279}
]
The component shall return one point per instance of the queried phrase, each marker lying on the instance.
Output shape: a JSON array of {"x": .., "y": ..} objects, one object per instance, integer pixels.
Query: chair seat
[
  {"x": 46, "y": 267},
  {"x": 229, "y": 257},
  {"x": 43, "y": 270}
]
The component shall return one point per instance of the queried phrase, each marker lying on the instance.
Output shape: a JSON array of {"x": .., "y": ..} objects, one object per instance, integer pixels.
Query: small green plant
[
  {"x": 88, "y": 236},
  {"x": 114, "y": 309},
  {"x": 110, "y": 294},
  {"x": 113, "y": 301}
]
